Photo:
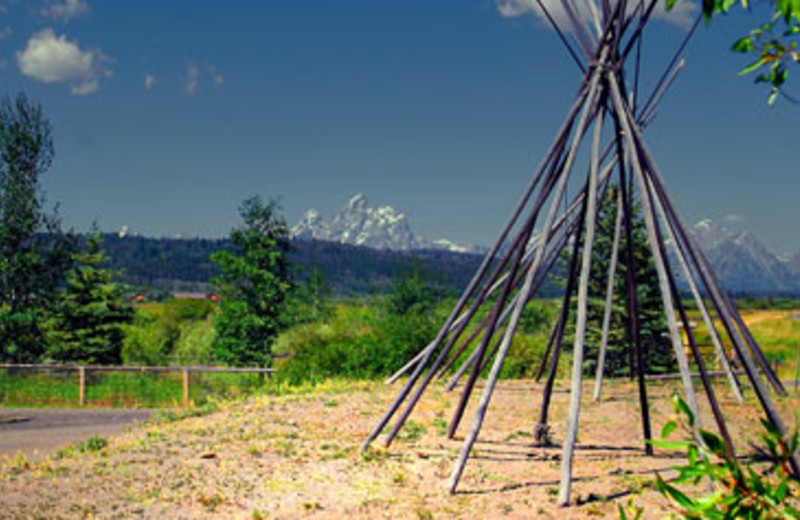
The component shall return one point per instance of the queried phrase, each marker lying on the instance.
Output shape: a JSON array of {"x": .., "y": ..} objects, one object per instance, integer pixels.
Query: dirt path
[
  {"x": 38, "y": 432},
  {"x": 298, "y": 456}
]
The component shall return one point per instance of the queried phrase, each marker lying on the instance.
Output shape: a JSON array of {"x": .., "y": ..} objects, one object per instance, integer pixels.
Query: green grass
[{"x": 58, "y": 388}]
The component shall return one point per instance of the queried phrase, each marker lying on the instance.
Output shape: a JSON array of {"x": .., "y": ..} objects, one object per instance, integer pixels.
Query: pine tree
[
  {"x": 254, "y": 284},
  {"x": 659, "y": 357},
  {"x": 88, "y": 318}
]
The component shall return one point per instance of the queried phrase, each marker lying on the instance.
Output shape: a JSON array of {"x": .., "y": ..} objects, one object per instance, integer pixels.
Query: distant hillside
[{"x": 183, "y": 264}]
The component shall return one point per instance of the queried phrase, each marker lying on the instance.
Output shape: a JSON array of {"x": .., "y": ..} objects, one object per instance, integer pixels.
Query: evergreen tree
[
  {"x": 88, "y": 318},
  {"x": 254, "y": 284},
  {"x": 34, "y": 253},
  {"x": 659, "y": 357}
]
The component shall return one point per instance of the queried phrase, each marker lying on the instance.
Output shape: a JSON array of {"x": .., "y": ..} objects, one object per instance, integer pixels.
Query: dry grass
[{"x": 298, "y": 456}]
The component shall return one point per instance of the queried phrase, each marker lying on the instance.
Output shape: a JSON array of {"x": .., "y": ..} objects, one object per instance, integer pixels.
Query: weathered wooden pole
[
  {"x": 666, "y": 296},
  {"x": 541, "y": 429},
  {"x": 722, "y": 357},
  {"x": 81, "y": 386},
  {"x": 185, "y": 385},
  {"x": 612, "y": 272},
  {"x": 589, "y": 105},
  {"x": 580, "y": 324},
  {"x": 717, "y": 297}
]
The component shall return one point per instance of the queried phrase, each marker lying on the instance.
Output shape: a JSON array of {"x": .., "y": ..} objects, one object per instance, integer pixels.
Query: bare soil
[{"x": 299, "y": 456}]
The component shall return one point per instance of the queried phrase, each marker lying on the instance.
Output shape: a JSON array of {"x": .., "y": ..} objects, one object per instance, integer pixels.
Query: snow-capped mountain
[
  {"x": 742, "y": 262},
  {"x": 362, "y": 225}
]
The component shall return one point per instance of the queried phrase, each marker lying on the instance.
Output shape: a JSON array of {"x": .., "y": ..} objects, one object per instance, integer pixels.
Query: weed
[
  {"x": 211, "y": 502},
  {"x": 93, "y": 444},
  {"x": 411, "y": 431},
  {"x": 440, "y": 423}
]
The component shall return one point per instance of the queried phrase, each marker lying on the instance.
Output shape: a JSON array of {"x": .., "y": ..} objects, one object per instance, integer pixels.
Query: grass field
[{"x": 120, "y": 389}]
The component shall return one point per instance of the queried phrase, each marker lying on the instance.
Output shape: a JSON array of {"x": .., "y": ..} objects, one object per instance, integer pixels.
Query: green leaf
[
  {"x": 671, "y": 4},
  {"x": 713, "y": 442},
  {"x": 670, "y": 445},
  {"x": 743, "y": 45},
  {"x": 681, "y": 406},
  {"x": 753, "y": 66},
  {"x": 668, "y": 428}
]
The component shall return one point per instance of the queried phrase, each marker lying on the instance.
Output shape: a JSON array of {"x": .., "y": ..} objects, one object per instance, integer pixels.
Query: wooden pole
[
  {"x": 580, "y": 325},
  {"x": 717, "y": 296},
  {"x": 590, "y": 105},
  {"x": 81, "y": 386},
  {"x": 540, "y": 430},
  {"x": 666, "y": 295},
  {"x": 185, "y": 380},
  {"x": 612, "y": 272},
  {"x": 722, "y": 357}
]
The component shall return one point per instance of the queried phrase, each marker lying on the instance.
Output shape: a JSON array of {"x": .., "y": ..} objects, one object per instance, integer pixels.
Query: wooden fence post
[
  {"x": 185, "y": 388},
  {"x": 81, "y": 386}
]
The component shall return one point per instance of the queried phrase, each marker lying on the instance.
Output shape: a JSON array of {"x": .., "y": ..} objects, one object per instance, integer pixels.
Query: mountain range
[
  {"x": 359, "y": 224},
  {"x": 743, "y": 263}
]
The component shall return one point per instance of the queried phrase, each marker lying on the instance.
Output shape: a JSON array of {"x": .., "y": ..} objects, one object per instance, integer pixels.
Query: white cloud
[
  {"x": 54, "y": 59},
  {"x": 195, "y": 74},
  {"x": 149, "y": 81},
  {"x": 86, "y": 88},
  {"x": 66, "y": 11},
  {"x": 5, "y": 32},
  {"x": 682, "y": 14},
  {"x": 192, "y": 78},
  {"x": 216, "y": 77}
]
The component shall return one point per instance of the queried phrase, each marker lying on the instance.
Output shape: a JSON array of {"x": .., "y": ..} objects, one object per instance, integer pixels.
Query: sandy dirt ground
[
  {"x": 299, "y": 457},
  {"x": 39, "y": 432}
]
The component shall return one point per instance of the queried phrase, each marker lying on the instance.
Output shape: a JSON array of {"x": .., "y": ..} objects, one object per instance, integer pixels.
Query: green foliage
[
  {"x": 87, "y": 321},
  {"x": 178, "y": 331},
  {"x": 93, "y": 444},
  {"x": 773, "y": 45},
  {"x": 739, "y": 489},
  {"x": 652, "y": 323},
  {"x": 34, "y": 253},
  {"x": 366, "y": 339},
  {"x": 254, "y": 285},
  {"x": 310, "y": 300}
]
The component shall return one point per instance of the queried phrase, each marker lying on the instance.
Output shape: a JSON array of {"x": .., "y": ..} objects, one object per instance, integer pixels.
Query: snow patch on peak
[
  {"x": 357, "y": 201},
  {"x": 359, "y": 224},
  {"x": 705, "y": 224}
]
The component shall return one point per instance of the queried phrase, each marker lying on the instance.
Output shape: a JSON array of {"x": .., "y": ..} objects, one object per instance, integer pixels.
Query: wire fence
[{"x": 124, "y": 386}]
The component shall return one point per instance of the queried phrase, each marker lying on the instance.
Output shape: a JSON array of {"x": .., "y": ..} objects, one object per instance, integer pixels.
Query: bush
[{"x": 176, "y": 331}]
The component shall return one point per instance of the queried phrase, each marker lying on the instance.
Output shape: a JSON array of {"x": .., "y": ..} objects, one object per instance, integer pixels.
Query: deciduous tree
[
  {"x": 34, "y": 253},
  {"x": 254, "y": 284}
]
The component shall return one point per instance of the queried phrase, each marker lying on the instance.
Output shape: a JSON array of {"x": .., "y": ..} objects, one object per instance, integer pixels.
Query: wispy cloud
[
  {"x": 216, "y": 77},
  {"x": 192, "y": 78},
  {"x": 67, "y": 10},
  {"x": 195, "y": 74},
  {"x": 681, "y": 15},
  {"x": 734, "y": 219},
  {"x": 149, "y": 81},
  {"x": 50, "y": 58}
]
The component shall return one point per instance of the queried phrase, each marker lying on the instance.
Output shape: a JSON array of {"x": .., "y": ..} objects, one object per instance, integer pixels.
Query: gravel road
[{"x": 38, "y": 432}]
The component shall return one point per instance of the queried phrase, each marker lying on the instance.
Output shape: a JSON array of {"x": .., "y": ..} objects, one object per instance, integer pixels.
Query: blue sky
[{"x": 168, "y": 113}]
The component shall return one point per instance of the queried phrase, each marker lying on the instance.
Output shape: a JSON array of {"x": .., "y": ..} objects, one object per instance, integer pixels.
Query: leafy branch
[{"x": 738, "y": 489}]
